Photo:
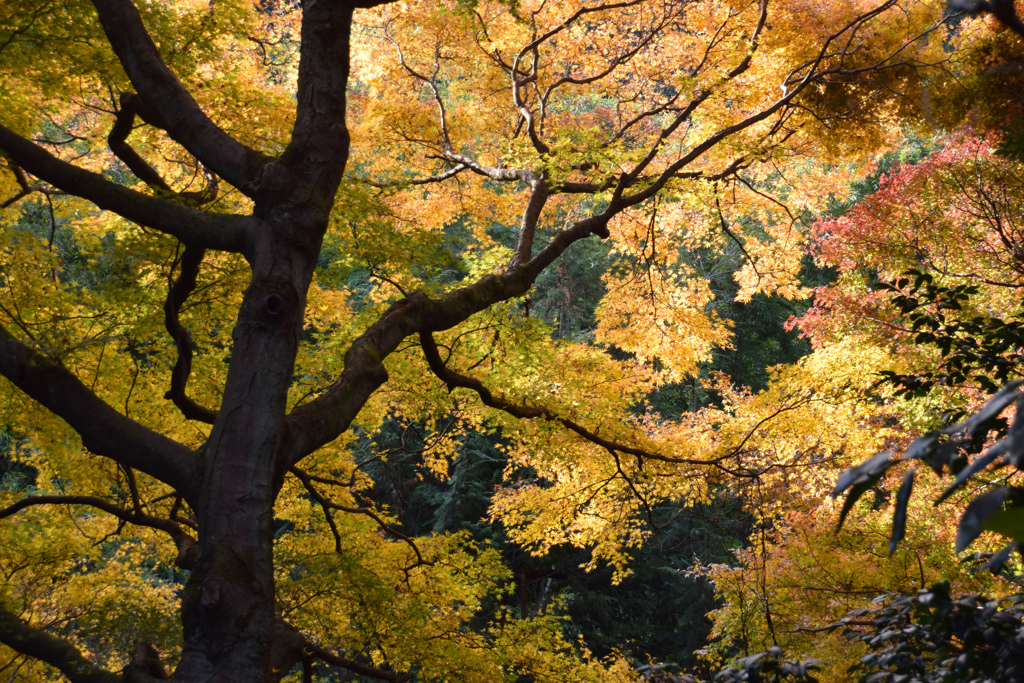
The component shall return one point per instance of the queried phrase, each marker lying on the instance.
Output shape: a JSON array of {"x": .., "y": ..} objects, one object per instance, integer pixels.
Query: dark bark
[
  {"x": 178, "y": 112},
  {"x": 228, "y": 609},
  {"x": 104, "y": 431},
  {"x": 58, "y": 653},
  {"x": 224, "y": 232},
  {"x": 179, "y": 291}
]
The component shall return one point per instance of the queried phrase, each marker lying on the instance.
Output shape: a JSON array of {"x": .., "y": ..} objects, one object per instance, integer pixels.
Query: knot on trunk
[{"x": 271, "y": 303}]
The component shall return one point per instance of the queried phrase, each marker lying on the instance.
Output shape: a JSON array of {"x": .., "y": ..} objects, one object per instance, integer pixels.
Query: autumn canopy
[{"x": 271, "y": 272}]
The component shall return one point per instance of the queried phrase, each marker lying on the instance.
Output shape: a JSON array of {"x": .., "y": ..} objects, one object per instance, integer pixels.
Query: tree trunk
[{"x": 228, "y": 604}]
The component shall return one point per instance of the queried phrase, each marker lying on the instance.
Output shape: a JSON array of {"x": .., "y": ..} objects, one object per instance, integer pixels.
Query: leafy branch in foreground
[
  {"x": 984, "y": 350},
  {"x": 933, "y": 637},
  {"x": 1000, "y": 508}
]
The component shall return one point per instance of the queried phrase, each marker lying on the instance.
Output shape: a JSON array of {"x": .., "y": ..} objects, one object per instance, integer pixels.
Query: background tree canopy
[{"x": 476, "y": 341}]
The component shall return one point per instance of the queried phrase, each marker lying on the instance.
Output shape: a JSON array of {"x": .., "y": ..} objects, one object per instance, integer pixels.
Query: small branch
[
  {"x": 177, "y": 293},
  {"x": 734, "y": 238},
  {"x": 27, "y": 188},
  {"x": 327, "y": 504},
  {"x": 454, "y": 380},
  {"x": 450, "y": 173},
  {"x": 117, "y": 141},
  {"x": 355, "y": 667},
  {"x": 531, "y": 216},
  {"x": 132, "y": 105},
  {"x": 187, "y": 549}
]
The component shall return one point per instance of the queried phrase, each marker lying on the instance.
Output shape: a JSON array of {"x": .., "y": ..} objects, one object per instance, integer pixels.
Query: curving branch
[
  {"x": 327, "y": 505},
  {"x": 117, "y": 140},
  {"x": 426, "y": 180},
  {"x": 323, "y": 419},
  {"x": 132, "y": 106},
  {"x": 454, "y": 380},
  {"x": 328, "y": 657},
  {"x": 27, "y": 188},
  {"x": 225, "y": 232},
  {"x": 178, "y": 292},
  {"x": 539, "y": 194},
  {"x": 103, "y": 430},
  {"x": 57, "y": 652},
  {"x": 187, "y": 548},
  {"x": 173, "y": 106}
]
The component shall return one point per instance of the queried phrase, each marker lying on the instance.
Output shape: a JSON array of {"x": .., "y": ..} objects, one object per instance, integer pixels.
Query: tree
[
  {"x": 942, "y": 333},
  {"x": 344, "y": 256}
]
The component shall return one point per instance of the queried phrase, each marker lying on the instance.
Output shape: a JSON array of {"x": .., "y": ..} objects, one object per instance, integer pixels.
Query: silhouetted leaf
[
  {"x": 871, "y": 467},
  {"x": 977, "y": 513},
  {"x": 978, "y": 465},
  {"x": 899, "y": 517},
  {"x": 995, "y": 405}
]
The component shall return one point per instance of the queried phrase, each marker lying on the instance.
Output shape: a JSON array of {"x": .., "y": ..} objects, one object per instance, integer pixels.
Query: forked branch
[
  {"x": 132, "y": 106},
  {"x": 192, "y": 226},
  {"x": 27, "y": 187},
  {"x": 179, "y": 114},
  {"x": 326, "y": 504}
]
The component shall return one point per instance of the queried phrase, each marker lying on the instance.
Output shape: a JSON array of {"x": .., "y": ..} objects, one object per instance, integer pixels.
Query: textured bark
[{"x": 228, "y": 605}]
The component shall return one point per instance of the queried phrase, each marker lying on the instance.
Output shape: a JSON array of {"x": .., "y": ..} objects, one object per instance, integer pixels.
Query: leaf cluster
[
  {"x": 933, "y": 637},
  {"x": 769, "y": 666},
  {"x": 983, "y": 350}
]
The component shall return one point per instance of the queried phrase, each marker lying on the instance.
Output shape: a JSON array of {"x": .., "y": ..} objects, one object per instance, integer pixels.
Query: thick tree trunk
[
  {"x": 228, "y": 605},
  {"x": 228, "y": 609}
]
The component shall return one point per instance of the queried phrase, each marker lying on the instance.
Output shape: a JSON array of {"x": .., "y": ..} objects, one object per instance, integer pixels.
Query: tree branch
[
  {"x": 455, "y": 380},
  {"x": 436, "y": 178},
  {"x": 318, "y": 149},
  {"x": 27, "y": 188},
  {"x": 187, "y": 548},
  {"x": 321, "y": 420},
  {"x": 132, "y": 106},
  {"x": 175, "y": 109},
  {"x": 531, "y": 216},
  {"x": 57, "y": 652},
  {"x": 355, "y": 667},
  {"x": 117, "y": 141},
  {"x": 103, "y": 430},
  {"x": 178, "y": 292},
  {"x": 225, "y": 232},
  {"x": 327, "y": 505}
]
